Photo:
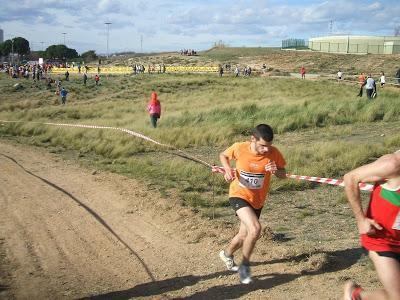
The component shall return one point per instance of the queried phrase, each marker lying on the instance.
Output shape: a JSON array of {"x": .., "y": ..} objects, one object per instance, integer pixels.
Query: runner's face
[{"x": 261, "y": 146}]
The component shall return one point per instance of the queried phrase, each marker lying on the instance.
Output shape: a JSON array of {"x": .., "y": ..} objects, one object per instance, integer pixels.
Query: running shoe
[
  {"x": 245, "y": 275},
  {"x": 229, "y": 262}
]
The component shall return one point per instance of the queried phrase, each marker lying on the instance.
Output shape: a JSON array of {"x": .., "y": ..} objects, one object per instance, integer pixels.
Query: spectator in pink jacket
[{"x": 154, "y": 108}]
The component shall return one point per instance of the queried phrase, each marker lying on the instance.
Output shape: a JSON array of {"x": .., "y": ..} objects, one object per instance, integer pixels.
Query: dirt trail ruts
[{"x": 67, "y": 232}]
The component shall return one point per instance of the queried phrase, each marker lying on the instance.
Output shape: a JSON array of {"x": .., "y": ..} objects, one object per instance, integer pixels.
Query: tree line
[{"x": 20, "y": 46}]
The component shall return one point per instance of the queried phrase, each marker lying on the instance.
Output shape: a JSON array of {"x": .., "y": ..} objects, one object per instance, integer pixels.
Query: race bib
[
  {"x": 396, "y": 224},
  {"x": 252, "y": 181}
]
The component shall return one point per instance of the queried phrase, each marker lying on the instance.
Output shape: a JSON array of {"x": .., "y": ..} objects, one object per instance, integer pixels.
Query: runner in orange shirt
[
  {"x": 361, "y": 81},
  {"x": 256, "y": 161}
]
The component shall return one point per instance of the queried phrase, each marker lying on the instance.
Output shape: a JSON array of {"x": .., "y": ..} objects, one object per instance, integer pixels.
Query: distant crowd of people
[
  {"x": 188, "y": 52},
  {"x": 34, "y": 71},
  {"x": 42, "y": 73},
  {"x": 151, "y": 68}
]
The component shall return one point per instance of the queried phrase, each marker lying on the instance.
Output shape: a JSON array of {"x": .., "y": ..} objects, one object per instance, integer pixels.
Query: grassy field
[{"x": 322, "y": 127}]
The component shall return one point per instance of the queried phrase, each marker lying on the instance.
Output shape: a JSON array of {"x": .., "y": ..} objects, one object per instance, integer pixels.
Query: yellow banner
[{"x": 129, "y": 70}]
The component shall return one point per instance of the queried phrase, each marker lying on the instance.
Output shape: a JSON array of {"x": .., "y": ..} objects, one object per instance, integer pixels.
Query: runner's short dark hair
[{"x": 263, "y": 131}]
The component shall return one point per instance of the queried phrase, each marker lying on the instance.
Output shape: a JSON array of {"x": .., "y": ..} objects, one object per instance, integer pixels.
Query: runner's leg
[
  {"x": 388, "y": 270},
  {"x": 248, "y": 217},
  {"x": 237, "y": 241}
]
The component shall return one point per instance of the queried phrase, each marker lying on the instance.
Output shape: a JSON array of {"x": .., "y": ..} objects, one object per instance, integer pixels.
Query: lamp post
[
  {"x": 64, "y": 33},
  {"x": 108, "y": 30}
]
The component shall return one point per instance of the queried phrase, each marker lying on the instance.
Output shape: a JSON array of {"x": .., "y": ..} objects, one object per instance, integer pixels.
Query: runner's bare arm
[
  {"x": 278, "y": 172},
  {"x": 229, "y": 174},
  {"x": 384, "y": 167}
]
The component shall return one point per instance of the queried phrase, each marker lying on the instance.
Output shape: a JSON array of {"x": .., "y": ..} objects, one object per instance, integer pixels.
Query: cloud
[{"x": 201, "y": 22}]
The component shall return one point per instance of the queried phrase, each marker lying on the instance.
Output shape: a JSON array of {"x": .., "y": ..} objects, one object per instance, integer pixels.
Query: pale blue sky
[{"x": 176, "y": 24}]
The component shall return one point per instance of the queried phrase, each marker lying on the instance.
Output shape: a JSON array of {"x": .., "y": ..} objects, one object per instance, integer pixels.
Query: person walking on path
[
  {"x": 154, "y": 109},
  {"x": 63, "y": 94},
  {"x": 303, "y": 72},
  {"x": 256, "y": 160},
  {"x": 379, "y": 226},
  {"x": 97, "y": 79}
]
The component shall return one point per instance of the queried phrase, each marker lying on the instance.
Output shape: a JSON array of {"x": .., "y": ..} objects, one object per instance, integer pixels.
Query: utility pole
[
  {"x": 42, "y": 45},
  {"x": 64, "y": 33},
  {"x": 141, "y": 43},
  {"x": 12, "y": 52},
  {"x": 108, "y": 32},
  {"x": 331, "y": 27}
]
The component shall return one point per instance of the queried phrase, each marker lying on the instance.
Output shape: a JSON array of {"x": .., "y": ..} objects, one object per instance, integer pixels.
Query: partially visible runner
[
  {"x": 379, "y": 226},
  {"x": 256, "y": 161}
]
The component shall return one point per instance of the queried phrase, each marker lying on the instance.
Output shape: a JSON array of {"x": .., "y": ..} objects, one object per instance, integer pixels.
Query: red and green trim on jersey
[{"x": 384, "y": 208}]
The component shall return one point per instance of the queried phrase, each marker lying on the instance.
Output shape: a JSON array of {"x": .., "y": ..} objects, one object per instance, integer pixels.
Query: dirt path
[{"x": 68, "y": 233}]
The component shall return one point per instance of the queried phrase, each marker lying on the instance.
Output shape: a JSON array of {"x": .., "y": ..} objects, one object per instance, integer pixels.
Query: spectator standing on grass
[
  {"x": 63, "y": 95},
  {"x": 58, "y": 86},
  {"x": 379, "y": 226},
  {"x": 237, "y": 71},
  {"x": 339, "y": 75},
  {"x": 256, "y": 161},
  {"x": 67, "y": 76},
  {"x": 154, "y": 109},
  {"x": 97, "y": 79},
  {"x": 361, "y": 82},
  {"x": 370, "y": 87},
  {"x": 221, "y": 71},
  {"x": 303, "y": 72},
  {"x": 84, "y": 79},
  {"x": 397, "y": 75},
  {"x": 383, "y": 79}
]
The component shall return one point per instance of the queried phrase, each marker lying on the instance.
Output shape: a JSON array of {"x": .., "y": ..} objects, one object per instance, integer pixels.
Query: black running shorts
[{"x": 237, "y": 203}]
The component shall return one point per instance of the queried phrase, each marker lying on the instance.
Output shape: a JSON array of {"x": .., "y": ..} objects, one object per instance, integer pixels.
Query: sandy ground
[{"x": 67, "y": 232}]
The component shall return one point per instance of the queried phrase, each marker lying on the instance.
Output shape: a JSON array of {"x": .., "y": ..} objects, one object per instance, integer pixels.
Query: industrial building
[
  {"x": 293, "y": 43},
  {"x": 354, "y": 44}
]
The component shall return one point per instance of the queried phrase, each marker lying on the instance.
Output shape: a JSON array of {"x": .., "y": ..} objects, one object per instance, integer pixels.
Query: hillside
[{"x": 283, "y": 60}]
